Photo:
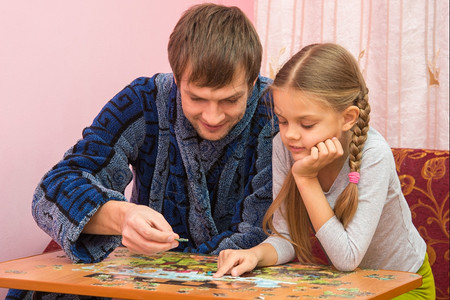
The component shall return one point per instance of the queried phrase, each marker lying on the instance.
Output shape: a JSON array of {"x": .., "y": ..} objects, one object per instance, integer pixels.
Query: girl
[{"x": 331, "y": 171}]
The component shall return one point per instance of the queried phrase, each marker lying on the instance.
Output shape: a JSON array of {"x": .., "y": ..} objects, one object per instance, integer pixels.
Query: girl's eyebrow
[{"x": 276, "y": 112}]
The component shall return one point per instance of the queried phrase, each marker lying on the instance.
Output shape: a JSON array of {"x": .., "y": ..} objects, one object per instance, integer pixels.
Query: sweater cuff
[{"x": 285, "y": 250}]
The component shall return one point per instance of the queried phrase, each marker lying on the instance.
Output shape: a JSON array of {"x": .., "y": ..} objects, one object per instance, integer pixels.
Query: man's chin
[{"x": 212, "y": 136}]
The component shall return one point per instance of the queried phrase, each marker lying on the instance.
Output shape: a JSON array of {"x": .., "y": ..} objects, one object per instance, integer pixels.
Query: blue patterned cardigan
[{"x": 214, "y": 193}]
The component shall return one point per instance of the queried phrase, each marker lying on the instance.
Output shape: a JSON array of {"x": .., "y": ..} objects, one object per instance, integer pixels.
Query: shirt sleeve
[
  {"x": 94, "y": 171},
  {"x": 346, "y": 247}
]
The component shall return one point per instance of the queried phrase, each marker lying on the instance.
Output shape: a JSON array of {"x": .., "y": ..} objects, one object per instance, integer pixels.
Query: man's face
[{"x": 214, "y": 112}]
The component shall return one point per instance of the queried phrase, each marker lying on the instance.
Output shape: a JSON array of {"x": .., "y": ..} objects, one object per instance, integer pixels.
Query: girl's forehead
[{"x": 292, "y": 97}]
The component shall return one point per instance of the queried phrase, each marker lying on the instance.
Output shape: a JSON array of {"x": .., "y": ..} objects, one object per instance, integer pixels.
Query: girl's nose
[{"x": 292, "y": 133}]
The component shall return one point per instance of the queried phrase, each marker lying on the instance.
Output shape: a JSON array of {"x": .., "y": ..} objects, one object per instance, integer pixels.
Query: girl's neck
[{"x": 328, "y": 174}]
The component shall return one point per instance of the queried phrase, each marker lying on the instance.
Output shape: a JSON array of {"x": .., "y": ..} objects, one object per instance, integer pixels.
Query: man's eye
[{"x": 231, "y": 101}]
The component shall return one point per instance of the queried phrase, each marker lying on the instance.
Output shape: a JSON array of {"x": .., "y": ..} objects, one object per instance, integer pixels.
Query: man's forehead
[
  {"x": 238, "y": 80},
  {"x": 228, "y": 91}
]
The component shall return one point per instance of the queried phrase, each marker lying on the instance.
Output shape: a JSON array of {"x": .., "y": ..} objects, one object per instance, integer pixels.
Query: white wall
[{"x": 60, "y": 61}]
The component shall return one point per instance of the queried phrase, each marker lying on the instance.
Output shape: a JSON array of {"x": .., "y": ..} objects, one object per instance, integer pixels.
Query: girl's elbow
[{"x": 345, "y": 267}]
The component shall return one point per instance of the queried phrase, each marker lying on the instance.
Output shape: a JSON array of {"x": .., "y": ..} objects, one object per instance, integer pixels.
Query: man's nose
[{"x": 213, "y": 114}]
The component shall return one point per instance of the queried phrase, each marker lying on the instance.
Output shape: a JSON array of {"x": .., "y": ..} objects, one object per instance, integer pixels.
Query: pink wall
[{"x": 59, "y": 63}]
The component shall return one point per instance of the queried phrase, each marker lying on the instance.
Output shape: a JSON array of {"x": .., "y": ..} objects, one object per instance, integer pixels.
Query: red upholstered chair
[
  {"x": 52, "y": 246},
  {"x": 424, "y": 175}
]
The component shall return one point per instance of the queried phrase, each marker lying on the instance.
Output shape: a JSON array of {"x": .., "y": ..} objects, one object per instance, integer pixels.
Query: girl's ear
[{"x": 350, "y": 115}]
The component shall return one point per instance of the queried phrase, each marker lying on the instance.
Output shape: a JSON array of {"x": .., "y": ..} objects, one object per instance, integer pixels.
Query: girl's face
[{"x": 304, "y": 121}]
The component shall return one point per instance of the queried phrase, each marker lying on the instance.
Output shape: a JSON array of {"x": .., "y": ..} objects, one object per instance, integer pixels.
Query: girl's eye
[{"x": 308, "y": 126}]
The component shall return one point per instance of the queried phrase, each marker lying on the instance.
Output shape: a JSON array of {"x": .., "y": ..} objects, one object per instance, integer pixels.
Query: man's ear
[
  {"x": 350, "y": 115},
  {"x": 250, "y": 88}
]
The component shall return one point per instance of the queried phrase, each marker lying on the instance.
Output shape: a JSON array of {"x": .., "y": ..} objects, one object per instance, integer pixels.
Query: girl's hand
[
  {"x": 235, "y": 262},
  {"x": 321, "y": 155}
]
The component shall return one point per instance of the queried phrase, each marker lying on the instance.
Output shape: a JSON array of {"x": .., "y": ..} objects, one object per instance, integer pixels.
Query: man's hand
[{"x": 143, "y": 229}]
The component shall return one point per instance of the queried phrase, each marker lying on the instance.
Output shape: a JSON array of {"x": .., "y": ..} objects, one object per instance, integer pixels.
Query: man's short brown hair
[{"x": 214, "y": 42}]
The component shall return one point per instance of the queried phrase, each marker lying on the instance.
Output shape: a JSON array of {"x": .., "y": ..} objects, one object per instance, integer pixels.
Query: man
[{"x": 199, "y": 142}]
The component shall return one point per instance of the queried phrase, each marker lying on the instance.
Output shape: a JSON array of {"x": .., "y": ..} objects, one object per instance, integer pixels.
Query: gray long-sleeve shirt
[{"x": 381, "y": 235}]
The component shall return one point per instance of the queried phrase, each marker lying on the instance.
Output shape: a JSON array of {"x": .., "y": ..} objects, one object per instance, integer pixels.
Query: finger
[
  {"x": 331, "y": 147},
  {"x": 220, "y": 258},
  {"x": 322, "y": 149},
  {"x": 158, "y": 221},
  {"x": 142, "y": 218},
  {"x": 224, "y": 264},
  {"x": 132, "y": 236},
  {"x": 150, "y": 231},
  {"x": 143, "y": 246},
  {"x": 224, "y": 269},
  {"x": 338, "y": 145},
  {"x": 239, "y": 270},
  {"x": 151, "y": 241},
  {"x": 156, "y": 235},
  {"x": 314, "y": 153}
]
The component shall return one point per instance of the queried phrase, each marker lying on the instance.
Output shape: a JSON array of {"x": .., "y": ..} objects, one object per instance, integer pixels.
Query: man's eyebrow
[
  {"x": 191, "y": 94},
  {"x": 238, "y": 94},
  {"x": 235, "y": 95}
]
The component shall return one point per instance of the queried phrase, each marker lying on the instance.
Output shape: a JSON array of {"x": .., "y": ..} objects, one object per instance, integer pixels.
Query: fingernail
[
  {"x": 173, "y": 245},
  {"x": 170, "y": 239}
]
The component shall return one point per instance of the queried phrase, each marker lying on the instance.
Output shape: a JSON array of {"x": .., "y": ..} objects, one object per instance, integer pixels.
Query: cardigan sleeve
[{"x": 94, "y": 171}]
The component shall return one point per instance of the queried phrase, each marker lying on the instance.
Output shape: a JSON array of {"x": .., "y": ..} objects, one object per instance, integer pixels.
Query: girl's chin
[{"x": 298, "y": 156}]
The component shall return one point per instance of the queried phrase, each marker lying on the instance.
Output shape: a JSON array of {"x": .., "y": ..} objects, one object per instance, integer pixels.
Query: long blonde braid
[{"x": 347, "y": 202}]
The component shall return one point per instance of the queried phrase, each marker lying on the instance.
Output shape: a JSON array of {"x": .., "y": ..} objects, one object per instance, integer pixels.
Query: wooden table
[{"x": 173, "y": 275}]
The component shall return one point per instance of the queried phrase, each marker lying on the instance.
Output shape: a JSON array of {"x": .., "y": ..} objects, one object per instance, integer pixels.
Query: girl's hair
[
  {"x": 330, "y": 74},
  {"x": 215, "y": 42}
]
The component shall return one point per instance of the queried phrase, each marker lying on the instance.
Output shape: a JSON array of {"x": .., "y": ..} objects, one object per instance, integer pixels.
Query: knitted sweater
[{"x": 214, "y": 193}]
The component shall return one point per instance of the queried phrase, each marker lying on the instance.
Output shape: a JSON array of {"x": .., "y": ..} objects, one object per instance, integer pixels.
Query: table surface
[{"x": 171, "y": 275}]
